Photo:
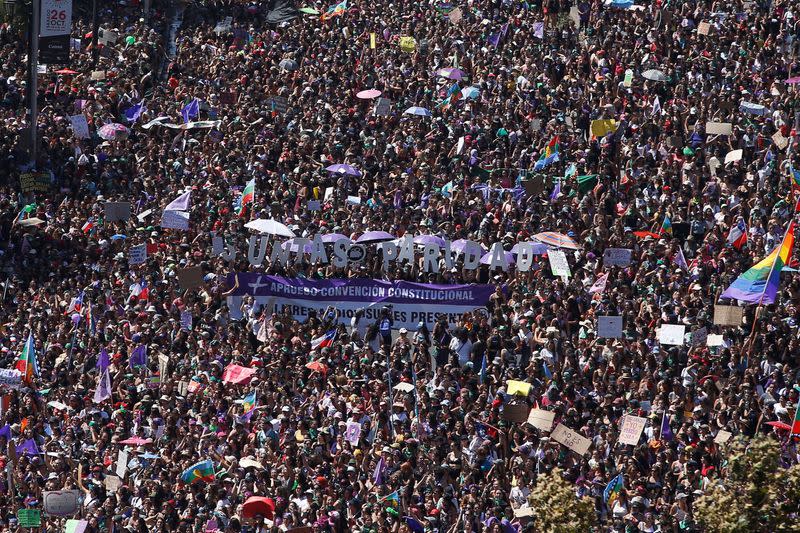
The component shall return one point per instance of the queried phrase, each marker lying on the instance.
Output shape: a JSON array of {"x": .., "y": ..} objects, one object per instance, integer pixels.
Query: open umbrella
[
  {"x": 459, "y": 245},
  {"x": 487, "y": 258},
  {"x": 557, "y": 240},
  {"x": 272, "y": 227},
  {"x": 368, "y": 94},
  {"x": 654, "y": 75},
  {"x": 538, "y": 248},
  {"x": 112, "y": 131},
  {"x": 316, "y": 366},
  {"x": 66, "y": 72},
  {"x": 780, "y": 425},
  {"x": 33, "y": 221},
  {"x": 792, "y": 81},
  {"x": 136, "y": 441},
  {"x": 258, "y": 506},
  {"x": 451, "y": 73},
  {"x": 331, "y": 238},
  {"x": 470, "y": 93},
  {"x": 308, "y": 11},
  {"x": 374, "y": 236},
  {"x": 288, "y": 64},
  {"x": 343, "y": 168},
  {"x": 419, "y": 111},
  {"x": 429, "y": 239}
]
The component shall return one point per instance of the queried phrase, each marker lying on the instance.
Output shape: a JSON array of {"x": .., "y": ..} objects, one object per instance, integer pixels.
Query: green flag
[{"x": 586, "y": 183}]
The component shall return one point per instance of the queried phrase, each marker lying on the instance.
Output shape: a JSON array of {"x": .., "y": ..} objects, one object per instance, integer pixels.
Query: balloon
[
  {"x": 76, "y": 318},
  {"x": 130, "y": 40}
]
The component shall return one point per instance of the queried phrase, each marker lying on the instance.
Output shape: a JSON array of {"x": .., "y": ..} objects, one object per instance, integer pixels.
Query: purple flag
[
  {"x": 5, "y": 431},
  {"x": 666, "y": 431},
  {"x": 133, "y": 113},
  {"x": 181, "y": 203},
  {"x": 139, "y": 356},
  {"x": 191, "y": 110},
  {"x": 28, "y": 448},
  {"x": 494, "y": 39},
  {"x": 538, "y": 30},
  {"x": 556, "y": 192},
  {"x": 103, "y": 361},
  {"x": 377, "y": 477},
  {"x": 103, "y": 391}
]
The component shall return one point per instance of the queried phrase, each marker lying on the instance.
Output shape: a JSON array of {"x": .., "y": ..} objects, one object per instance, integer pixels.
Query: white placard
[
  {"x": 175, "y": 220},
  {"x": 404, "y": 387},
  {"x": 541, "y": 419},
  {"x": 143, "y": 215},
  {"x": 137, "y": 254},
  {"x": 80, "y": 126},
  {"x": 571, "y": 439},
  {"x": 672, "y": 334},
  {"x": 609, "y": 327},
  {"x": 631, "y": 430},
  {"x": 122, "y": 464},
  {"x": 714, "y": 340},
  {"x": 61, "y": 502},
  {"x": 719, "y": 128},
  {"x": 733, "y": 156},
  {"x": 780, "y": 141},
  {"x": 10, "y": 377},
  {"x": 617, "y": 257},
  {"x": 328, "y": 194},
  {"x": 354, "y": 200},
  {"x": 723, "y": 436},
  {"x": 558, "y": 263}
]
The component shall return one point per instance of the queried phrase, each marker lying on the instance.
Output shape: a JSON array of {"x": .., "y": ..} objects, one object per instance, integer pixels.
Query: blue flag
[{"x": 191, "y": 110}]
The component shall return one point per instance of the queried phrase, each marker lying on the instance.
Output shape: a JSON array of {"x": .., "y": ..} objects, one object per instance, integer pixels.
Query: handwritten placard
[
  {"x": 631, "y": 430},
  {"x": 558, "y": 263},
  {"x": 541, "y": 419},
  {"x": 609, "y": 327},
  {"x": 137, "y": 254},
  {"x": 703, "y": 28},
  {"x": 723, "y": 436},
  {"x": 719, "y": 128},
  {"x": 80, "y": 127},
  {"x": 672, "y": 334},
  {"x": 571, "y": 439},
  {"x": 175, "y": 220},
  {"x": 617, "y": 257},
  {"x": 699, "y": 337},
  {"x": 728, "y": 315}
]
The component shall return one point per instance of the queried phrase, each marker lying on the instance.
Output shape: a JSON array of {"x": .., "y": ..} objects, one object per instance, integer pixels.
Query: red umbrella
[
  {"x": 136, "y": 441},
  {"x": 258, "y": 505},
  {"x": 317, "y": 367},
  {"x": 643, "y": 234},
  {"x": 780, "y": 425},
  {"x": 66, "y": 71}
]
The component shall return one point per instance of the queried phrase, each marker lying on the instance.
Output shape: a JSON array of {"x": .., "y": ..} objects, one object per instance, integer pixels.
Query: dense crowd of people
[{"x": 324, "y": 432}]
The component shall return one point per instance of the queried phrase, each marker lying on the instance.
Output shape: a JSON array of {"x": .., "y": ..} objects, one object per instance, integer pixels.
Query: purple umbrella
[
  {"x": 374, "y": 236},
  {"x": 331, "y": 238},
  {"x": 113, "y": 131},
  {"x": 343, "y": 168},
  {"x": 538, "y": 248},
  {"x": 429, "y": 239},
  {"x": 461, "y": 244},
  {"x": 451, "y": 73},
  {"x": 487, "y": 258}
]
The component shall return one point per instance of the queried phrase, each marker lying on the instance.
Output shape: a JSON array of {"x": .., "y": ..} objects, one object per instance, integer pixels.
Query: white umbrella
[
  {"x": 273, "y": 227},
  {"x": 654, "y": 75}
]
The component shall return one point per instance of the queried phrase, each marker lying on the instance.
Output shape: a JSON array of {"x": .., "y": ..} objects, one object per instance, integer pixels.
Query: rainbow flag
[
  {"x": 760, "y": 283},
  {"x": 248, "y": 196},
  {"x": 202, "y": 471},
  {"x": 335, "y": 10},
  {"x": 666, "y": 226},
  {"x": 26, "y": 363},
  {"x": 795, "y": 177},
  {"x": 249, "y": 403},
  {"x": 549, "y": 156},
  {"x": 796, "y": 422}
]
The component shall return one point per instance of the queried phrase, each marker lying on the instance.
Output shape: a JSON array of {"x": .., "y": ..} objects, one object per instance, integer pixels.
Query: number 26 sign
[{"x": 55, "y": 18}]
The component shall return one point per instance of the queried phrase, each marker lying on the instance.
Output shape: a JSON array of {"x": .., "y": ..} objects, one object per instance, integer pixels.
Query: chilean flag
[
  {"x": 325, "y": 340},
  {"x": 76, "y": 304},
  {"x": 737, "y": 236}
]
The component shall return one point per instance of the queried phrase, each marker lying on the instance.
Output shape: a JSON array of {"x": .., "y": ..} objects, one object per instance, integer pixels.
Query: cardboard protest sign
[
  {"x": 60, "y": 502},
  {"x": 728, "y": 315},
  {"x": 517, "y": 387},
  {"x": 163, "y": 364},
  {"x": 98, "y": 75},
  {"x": 719, "y": 128},
  {"x": 723, "y": 436},
  {"x": 516, "y": 412},
  {"x": 601, "y": 128},
  {"x": 558, "y": 263},
  {"x": 112, "y": 483},
  {"x": 107, "y": 37},
  {"x": 76, "y": 526},
  {"x": 455, "y": 15},
  {"x": 780, "y": 141},
  {"x": 137, "y": 254},
  {"x": 703, "y": 28},
  {"x": 189, "y": 278},
  {"x": 672, "y": 334},
  {"x": 571, "y": 439},
  {"x": 617, "y": 257},
  {"x": 80, "y": 126},
  {"x": 175, "y": 220},
  {"x": 541, "y": 419},
  {"x": 631, "y": 430},
  {"x": 609, "y": 327},
  {"x": 35, "y": 182},
  {"x": 117, "y": 211}
]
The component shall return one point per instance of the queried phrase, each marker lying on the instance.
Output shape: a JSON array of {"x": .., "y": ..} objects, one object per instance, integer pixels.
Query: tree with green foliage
[
  {"x": 755, "y": 493},
  {"x": 557, "y": 509}
]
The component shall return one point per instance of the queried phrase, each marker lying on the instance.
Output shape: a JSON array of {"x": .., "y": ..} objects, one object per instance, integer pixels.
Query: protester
[{"x": 197, "y": 409}]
